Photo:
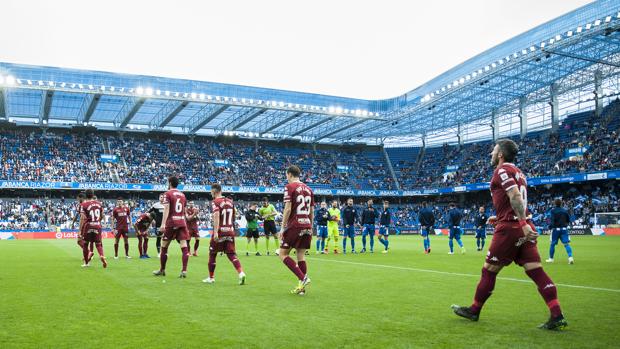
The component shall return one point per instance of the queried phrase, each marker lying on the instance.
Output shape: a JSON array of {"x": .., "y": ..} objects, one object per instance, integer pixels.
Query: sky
[{"x": 361, "y": 49}]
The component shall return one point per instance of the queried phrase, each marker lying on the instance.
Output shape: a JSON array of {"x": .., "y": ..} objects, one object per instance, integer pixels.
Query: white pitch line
[{"x": 459, "y": 274}]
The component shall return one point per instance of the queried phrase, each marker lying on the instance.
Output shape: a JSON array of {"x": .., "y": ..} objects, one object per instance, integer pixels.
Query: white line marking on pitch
[{"x": 459, "y": 274}]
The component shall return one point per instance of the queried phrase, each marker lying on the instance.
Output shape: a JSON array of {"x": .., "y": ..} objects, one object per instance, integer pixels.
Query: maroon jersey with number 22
[{"x": 302, "y": 199}]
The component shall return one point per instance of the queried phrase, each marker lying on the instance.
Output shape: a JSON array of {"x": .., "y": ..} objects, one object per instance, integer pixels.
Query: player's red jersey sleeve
[
  {"x": 287, "y": 193},
  {"x": 507, "y": 178}
]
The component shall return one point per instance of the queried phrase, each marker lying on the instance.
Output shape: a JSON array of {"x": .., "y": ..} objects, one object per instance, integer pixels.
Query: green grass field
[{"x": 398, "y": 300}]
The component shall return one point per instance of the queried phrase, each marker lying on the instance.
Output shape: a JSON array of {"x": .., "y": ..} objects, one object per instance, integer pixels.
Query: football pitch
[{"x": 396, "y": 300}]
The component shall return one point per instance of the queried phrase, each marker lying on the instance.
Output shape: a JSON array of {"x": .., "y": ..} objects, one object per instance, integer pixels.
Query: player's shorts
[
  {"x": 384, "y": 230},
  {"x": 297, "y": 238},
  {"x": 124, "y": 233},
  {"x": 193, "y": 233},
  {"x": 321, "y": 231},
  {"x": 332, "y": 230},
  {"x": 509, "y": 245},
  {"x": 560, "y": 234},
  {"x": 349, "y": 231},
  {"x": 176, "y": 233},
  {"x": 251, "y": 233},
  {"x": 369, "y": 229},
  {"x": 270, "y": 228},
  {"x": 224, "y": 244},
  {"x": 143, "y": 232},
  {"x": 481, "y": 233},
  {"x": 455, "y": 232},
  {"x": 92, "y": 235},
  {"x": 426, "y": 231}
]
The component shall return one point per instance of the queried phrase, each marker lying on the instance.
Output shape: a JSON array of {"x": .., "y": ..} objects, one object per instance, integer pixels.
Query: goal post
[{"x": 607, "y": 220}]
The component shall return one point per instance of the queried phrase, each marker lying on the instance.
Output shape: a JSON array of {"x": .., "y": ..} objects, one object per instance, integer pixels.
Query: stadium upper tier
[
  {"x": 561, "y": 63},
  {"x": 583, "y": 143}
]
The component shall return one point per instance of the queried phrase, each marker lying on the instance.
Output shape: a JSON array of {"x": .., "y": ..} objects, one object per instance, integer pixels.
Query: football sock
[
  {"x": 247, "y": 247},
  {"x": 478, "y": 242},
  {"x": 364, "y": 241},
  {"x": 460, "y": 242},
  {"x": 145, "y": 245},
  {"x": 116, "y": 248},
  {"x": 428, "y": 243},
  {"x": 326, "y": 244},
  {"x": 547, "y": 290},
  {"x": 140, "y": 245},
  {"x": 336, "y": 242},
  {"x": 185, "y": 257},
  {"x": 267, "y": 243},
  {"x": 290, "y": 263},
  {"x": 196, "y": 244},
  {"x": 484, "y": 290},
  {"x": 235, "y": 261},
  {"x": 344, "y": 244},
  {"x": 569, "y": 250},
  {"x": 352, "y": 245},
  {"x": 451, "y": 245},
  {"x": 126, "y": 247},
  {"x": 212, "y": 264},
  {"x": 85, "y": 252},
  {"x": 322, "y": 244},
  {"x": 158, "y": 244},
  {"x": 91, "y": 247},
  {"x": 372, "y": 241},
  {"x": 552, "y": 250},
  {"x": 303, "y": 267},
  {"x": 387, "y": 243},
  {"x": 318, "y": 244},
  {"x": 255, "y": 245},
  {"x": 163, "y": 258},
  {"x": 482, "y": 243},
  {"x": 99, "y": 246}
]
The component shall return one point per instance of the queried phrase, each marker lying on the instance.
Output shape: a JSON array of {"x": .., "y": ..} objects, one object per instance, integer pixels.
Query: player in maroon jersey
[
  {"x": 223, "y": 237},
  {"x": 173, "y": 226},
  {"x": 296, "y": 230},
  {"x": 121, "y": 217},
  {"x": 141, "y": 227},
  {"x": 92, "y": 214},
  {"x": 78, "y": 216},
  {"x": 514, "y": 239},
  {"x": 191, "y": 215}
]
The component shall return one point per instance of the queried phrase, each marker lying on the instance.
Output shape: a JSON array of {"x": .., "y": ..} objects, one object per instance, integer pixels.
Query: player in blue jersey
[
  {"x": 481, "y": 228},
  {"x": 349, "y": 218},
  {"x": 454, "y": 219},
  {"x": 369, "y": 217},
  {"x": 427, "y": 222},
  {"x": 321, "y": 218},
  {"x": 385, "y": 221},
  {"x": 559, "y": 231}
]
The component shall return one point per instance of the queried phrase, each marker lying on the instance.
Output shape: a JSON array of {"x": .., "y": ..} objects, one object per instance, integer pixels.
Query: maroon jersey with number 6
[
  {"x": 302, "y": 200},
  {"x": 505, "y": 178},
  {"x": 176, "y": 209},
  {"x": 93, "y": 211},
  {"x": 225, "y": 208}
]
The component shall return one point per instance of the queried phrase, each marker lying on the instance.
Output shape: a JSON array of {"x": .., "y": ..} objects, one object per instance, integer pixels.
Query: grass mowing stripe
[{"x": 459, "y": 274}]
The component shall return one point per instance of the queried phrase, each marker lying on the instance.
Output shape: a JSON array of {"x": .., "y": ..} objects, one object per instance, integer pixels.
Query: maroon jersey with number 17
[
  {"x": 505, "y": 178},
  {"x": 302, "y": 199},
  {"x": 224, "y": 206},
  {"x": 176, "y": 209},
  {"x": 93, "y": 211}
]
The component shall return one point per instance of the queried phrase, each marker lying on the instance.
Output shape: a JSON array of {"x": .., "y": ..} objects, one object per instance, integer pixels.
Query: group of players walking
[{"x": 514, "y": 238}]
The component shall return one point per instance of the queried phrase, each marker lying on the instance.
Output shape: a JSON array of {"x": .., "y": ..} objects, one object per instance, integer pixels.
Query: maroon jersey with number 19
[
  {"x": 93, "y": 211},
  {"x": 302, "y": 199},
  {"x": 505, "y": 178},
  {"x": 176, "y": 209}
]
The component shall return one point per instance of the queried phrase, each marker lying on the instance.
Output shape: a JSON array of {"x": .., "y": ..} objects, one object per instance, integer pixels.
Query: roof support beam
[
  {"x": 204, "y": 116},
  {"x": 46, "y": 106},
  {"x": 582, "y": 58},
  {"x": 128, "y": 111},
  {"x": 290, "y": 118},
  {"x": 339, "y": 130},
  {"x": 88, "y": 107},
  {"x": 305, "y": 129},
  {"x": 3, "y": 108},
  {"x": 169, "y": 111},
  {"x": 249, "y": 118}
]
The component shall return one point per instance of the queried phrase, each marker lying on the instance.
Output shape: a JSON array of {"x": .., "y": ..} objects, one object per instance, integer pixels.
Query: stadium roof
[{"x": 518, "y": 73}]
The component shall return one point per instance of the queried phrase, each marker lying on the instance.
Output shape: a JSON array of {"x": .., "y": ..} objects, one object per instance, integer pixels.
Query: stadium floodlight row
[{"x": 507, "y": 87}]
